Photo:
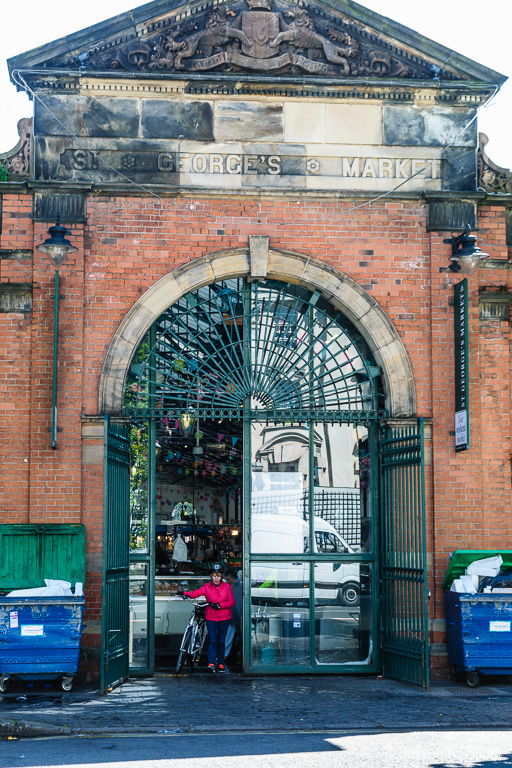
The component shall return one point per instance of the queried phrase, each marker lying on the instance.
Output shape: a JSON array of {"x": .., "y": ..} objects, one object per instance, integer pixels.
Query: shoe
[
  {"x": 221, "y": 668},
  {"x": 211, "y": 667}
]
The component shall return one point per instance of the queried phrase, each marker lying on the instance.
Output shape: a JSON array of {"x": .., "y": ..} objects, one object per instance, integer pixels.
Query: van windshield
[{"x": 329, "y": 542}]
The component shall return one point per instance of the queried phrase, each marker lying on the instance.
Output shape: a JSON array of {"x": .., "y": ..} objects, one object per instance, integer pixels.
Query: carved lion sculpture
[
  {"x": 302, "y": 34},
  {"x": 217, "y": 31}
]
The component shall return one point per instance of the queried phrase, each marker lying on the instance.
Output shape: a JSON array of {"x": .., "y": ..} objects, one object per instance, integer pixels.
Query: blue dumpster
[
  {"x": 40, "y": 636},
  {"x": 478, "y": 626}
]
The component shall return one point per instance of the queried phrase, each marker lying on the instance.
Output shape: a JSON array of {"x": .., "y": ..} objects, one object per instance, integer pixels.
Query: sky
[{"x": 479, "y": 30}]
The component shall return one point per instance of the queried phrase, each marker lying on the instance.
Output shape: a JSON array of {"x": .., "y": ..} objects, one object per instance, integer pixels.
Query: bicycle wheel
[
  {"x": 199, "y": 640},
  {"x": 181, "y": 660},
  {"x": 184, "y": 649},
  {"x": 194, "y": 650}
]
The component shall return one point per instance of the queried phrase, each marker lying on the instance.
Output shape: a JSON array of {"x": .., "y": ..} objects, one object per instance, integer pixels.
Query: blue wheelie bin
[
  {"x": 478, "y": 626},
  {"x": 40, "y": 636}
]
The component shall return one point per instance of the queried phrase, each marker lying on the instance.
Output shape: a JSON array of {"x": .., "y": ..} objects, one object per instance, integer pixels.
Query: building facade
[{"x": 256, "y": 347}]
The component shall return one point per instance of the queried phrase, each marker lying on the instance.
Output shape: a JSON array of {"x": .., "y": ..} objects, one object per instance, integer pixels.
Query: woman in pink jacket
[{"x": 217, "y": 614}]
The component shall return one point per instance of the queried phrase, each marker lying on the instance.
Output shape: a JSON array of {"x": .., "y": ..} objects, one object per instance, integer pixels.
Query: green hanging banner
[{"x": 461, "y": 366}]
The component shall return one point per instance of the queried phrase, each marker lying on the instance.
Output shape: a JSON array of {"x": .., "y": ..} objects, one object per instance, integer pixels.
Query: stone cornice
[{"x": 140, "y": 84}]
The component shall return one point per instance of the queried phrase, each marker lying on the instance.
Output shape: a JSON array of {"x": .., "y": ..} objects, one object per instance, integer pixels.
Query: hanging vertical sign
[{"x": 461, "y": 366}]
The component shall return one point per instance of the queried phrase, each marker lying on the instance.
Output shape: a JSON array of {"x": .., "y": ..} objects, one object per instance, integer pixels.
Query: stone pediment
[{"x": 338, "y": 41}]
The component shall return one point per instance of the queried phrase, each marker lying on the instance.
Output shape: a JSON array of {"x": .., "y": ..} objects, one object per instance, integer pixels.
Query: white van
[{"x": 287, "y": 534}]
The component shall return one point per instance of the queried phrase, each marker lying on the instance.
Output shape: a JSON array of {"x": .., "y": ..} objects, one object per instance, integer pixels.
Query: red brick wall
[
  {"x": 130, "y": 243},
  {"x": 15, "y": 354}
]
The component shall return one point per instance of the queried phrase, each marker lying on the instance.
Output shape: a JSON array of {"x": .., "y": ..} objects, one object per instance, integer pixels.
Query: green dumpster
[{"x": 40, "y": 636}]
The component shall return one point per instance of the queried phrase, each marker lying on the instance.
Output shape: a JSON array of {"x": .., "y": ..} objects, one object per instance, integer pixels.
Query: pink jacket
[{"x": 223, "y": 594}]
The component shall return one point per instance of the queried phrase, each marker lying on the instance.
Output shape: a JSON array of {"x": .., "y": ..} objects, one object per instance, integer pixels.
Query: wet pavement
[{"x": 205, "y": 703}]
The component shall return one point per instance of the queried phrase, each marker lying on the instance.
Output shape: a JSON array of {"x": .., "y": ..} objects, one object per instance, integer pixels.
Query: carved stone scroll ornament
[
  {"x": 17, "y": 162},
  {"x": 491, "y": 177},
  {"x": 265, "y": 36}
]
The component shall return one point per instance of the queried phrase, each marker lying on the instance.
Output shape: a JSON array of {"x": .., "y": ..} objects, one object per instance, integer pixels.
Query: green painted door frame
[
  {"x": 371, "y": 559},
  {"x": 116, "y": 530},
  {"x": 405, "y": 650}
]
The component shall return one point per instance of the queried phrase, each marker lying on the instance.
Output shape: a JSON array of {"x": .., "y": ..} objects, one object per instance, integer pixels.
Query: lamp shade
[
  {"x": 56, "y": 247},
  {"x": 466, "y": 255},
  {"x": 187, "y": 421}
]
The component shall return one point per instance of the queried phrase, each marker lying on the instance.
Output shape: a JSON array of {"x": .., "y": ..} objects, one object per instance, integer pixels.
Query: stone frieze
[{"x": 261, "y": 36}]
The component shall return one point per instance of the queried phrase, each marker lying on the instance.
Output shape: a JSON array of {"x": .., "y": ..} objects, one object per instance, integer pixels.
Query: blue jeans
[
  {"x": 230, "y": 636},
  {"x": 217, "y": 637}
]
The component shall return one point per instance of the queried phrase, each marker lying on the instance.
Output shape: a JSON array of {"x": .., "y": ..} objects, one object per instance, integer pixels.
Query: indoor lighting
[{"x": 187, "y": 421}]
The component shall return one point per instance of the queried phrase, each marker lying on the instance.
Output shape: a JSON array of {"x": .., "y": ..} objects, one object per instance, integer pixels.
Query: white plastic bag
[
  {"x": 487, "y": 566},
  {"x": 54, "y": 588},
  {"x": 468, "y": 585}
]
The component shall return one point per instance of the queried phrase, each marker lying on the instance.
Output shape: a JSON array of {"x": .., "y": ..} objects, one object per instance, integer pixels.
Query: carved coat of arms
[
  {"x": 265, "y": 36},
  {"x": 260, "y": 27}
]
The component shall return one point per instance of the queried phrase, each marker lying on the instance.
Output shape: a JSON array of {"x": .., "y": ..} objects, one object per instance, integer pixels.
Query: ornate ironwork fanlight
[{"x": 267, "y": 348}]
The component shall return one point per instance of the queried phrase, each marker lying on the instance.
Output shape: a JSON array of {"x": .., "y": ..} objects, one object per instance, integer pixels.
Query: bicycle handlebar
[{"x": 193, "y": 599}]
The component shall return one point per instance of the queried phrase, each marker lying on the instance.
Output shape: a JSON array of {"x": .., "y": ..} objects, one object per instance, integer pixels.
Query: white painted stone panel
[
  {"x": 351, "y": 123},
  {"x": 304, "y": 122}
]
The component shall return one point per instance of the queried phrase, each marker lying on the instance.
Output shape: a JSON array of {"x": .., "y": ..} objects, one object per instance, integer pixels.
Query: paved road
[
  {"x": 208, "y": 702},
  {"x": 416, "y": 749}
]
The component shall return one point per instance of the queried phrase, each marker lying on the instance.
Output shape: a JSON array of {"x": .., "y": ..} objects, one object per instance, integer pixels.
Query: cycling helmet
[{"x": 217, "y": 568}]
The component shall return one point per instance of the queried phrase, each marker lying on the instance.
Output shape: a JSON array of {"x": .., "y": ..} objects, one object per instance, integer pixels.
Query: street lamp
[
  {"x": 466, "y": 255},
  {"x": 57, "y": 249}
]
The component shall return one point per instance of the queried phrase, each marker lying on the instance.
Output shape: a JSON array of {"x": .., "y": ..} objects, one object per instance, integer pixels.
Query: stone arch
[{"x": 339, "y": 289}]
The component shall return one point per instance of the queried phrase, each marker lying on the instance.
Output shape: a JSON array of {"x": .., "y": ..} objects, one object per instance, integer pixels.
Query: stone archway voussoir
[{"x": 343, "y": 292}]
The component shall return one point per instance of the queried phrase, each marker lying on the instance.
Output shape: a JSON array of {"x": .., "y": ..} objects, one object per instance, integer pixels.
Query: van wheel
[{"x": 349, "y": 594}]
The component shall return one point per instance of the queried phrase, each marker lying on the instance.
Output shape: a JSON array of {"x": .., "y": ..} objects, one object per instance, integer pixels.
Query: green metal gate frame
[
  {"x": 212, "y": 329},
  {"x": 405, "y": 651},
  {"x": 116, "y": 527},
  {"x": 372, "y": 559}
]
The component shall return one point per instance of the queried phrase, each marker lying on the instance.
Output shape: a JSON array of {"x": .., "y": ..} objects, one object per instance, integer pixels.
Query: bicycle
[{"x": 194, "y": 637}]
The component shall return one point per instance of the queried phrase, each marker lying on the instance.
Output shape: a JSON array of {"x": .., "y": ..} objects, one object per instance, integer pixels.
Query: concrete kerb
[{"x": 24, "y": 729}]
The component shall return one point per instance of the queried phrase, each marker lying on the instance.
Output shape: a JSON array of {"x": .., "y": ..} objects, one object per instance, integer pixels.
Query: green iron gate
[
  {"x": 403, "y": 558},
  {"x": 116, "y": 527},
  {"x": 276, "y": 352}
]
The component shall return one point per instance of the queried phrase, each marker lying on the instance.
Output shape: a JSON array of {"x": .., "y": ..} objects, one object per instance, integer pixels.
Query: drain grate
[{"x": 479, "y": 691}]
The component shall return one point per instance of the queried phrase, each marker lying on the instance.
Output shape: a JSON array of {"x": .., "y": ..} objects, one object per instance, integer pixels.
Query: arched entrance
[
  {"x": 255, "y": 407},
  {"x": 338, "y": 289}
]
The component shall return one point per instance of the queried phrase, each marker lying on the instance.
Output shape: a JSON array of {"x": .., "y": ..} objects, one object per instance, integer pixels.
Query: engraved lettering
[
  {"x": 248, "y": 163},
  {"x": 183, "y": 162},
  {"x": 274, "y": 165},
  {"x": 80, "y": 159},
  {"x": 165, "y": 161},
  {"x": 385, "y": 168},
  {"x": 435, "y": 168},
  {"x": 418, "y": 167},
  {"x": 400, "y": 169},
  {"x": 233, "y": 164},
  {"x": 369, "y": 168},
  {"x": 199, "y": 163},
  {"x": 216, "y": 164},
  {"x": 349, "y": 169}
]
